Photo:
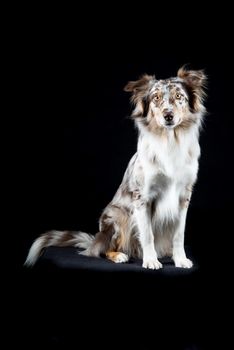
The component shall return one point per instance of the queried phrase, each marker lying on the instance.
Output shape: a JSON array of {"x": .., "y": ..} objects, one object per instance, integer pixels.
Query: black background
[{"x": 74, "y": 138}]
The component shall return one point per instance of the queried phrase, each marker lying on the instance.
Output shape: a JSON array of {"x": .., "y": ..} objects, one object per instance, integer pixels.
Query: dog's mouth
[{"x": 169, "y": 125}]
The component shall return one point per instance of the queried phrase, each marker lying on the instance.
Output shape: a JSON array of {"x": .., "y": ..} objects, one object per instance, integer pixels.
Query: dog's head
[{"x": 170, "y": 103}]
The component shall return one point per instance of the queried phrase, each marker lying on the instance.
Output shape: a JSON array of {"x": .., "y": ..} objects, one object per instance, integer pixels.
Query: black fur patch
[{"x": 145, "y": 103}]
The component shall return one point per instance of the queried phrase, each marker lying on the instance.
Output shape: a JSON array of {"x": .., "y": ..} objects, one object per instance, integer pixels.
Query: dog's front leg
[
  {"x": 179, "y": 255},
  {"x": 146, "y": 237}
]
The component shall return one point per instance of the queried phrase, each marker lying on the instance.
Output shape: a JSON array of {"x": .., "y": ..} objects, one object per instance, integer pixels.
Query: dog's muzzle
[{"x": 168, "y": 116}]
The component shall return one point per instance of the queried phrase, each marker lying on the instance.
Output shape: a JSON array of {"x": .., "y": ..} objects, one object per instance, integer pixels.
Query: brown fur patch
[
  {"x": 113, "y": 227},
  {"x": 112, "y": 255},
  {"x": 153, "y": 126},
  {"x": 64, "y": 239},
  {"x": 67, "y": 236},
  {"x": 123, "y": 227},
  {"x": 187, "y": 122},
  {"x": 106, "y": 232},
  {"x": 194, "y": 83},
  {"x": 140, "y": 90},
  {"x": 139, "y": 85}
]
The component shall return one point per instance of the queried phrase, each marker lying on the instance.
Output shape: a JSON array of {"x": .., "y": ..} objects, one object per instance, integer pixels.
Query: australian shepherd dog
[{"x": 147, "y": 215}]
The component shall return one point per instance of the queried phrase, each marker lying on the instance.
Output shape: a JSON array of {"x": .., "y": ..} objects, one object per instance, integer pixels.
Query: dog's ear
[
  {"x": 140, "y": 90},
  {"x": 140, "y": 85},
  {"x": 195, "y": 83}
]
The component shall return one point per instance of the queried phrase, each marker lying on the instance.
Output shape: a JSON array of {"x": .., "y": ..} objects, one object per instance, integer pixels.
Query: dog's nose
[{"x": 168, "y": 115}]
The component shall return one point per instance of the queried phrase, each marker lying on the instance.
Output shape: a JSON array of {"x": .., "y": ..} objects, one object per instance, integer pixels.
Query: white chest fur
[{"x": 170, "y": 165}]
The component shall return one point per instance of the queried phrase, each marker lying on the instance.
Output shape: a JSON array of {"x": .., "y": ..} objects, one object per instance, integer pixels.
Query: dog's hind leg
[
  {"x": 118, "y": 217},
  {"x": 105, "y": 240},
  {"x": 100, "y": 244}
]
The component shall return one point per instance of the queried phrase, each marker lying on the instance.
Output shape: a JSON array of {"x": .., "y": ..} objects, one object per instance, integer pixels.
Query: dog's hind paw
[{"x": 117, "y": 257}]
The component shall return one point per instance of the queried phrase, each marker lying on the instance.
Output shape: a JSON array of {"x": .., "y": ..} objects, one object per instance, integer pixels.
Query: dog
[{"x": 146, "y": 217}]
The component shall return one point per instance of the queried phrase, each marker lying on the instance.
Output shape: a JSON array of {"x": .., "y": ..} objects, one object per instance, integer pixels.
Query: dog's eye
[
  {"x": 156, "y": 97},
  {"x": 178, "y": 96}
]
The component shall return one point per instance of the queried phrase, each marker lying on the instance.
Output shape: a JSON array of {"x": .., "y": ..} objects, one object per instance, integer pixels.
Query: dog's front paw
[
  {"x": 152, "y": 264},
  {"x": 183, "y": 262}
]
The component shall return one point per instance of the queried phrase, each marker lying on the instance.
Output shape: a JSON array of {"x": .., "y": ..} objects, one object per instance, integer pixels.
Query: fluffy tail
[{"x": 60, "y": 239}]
